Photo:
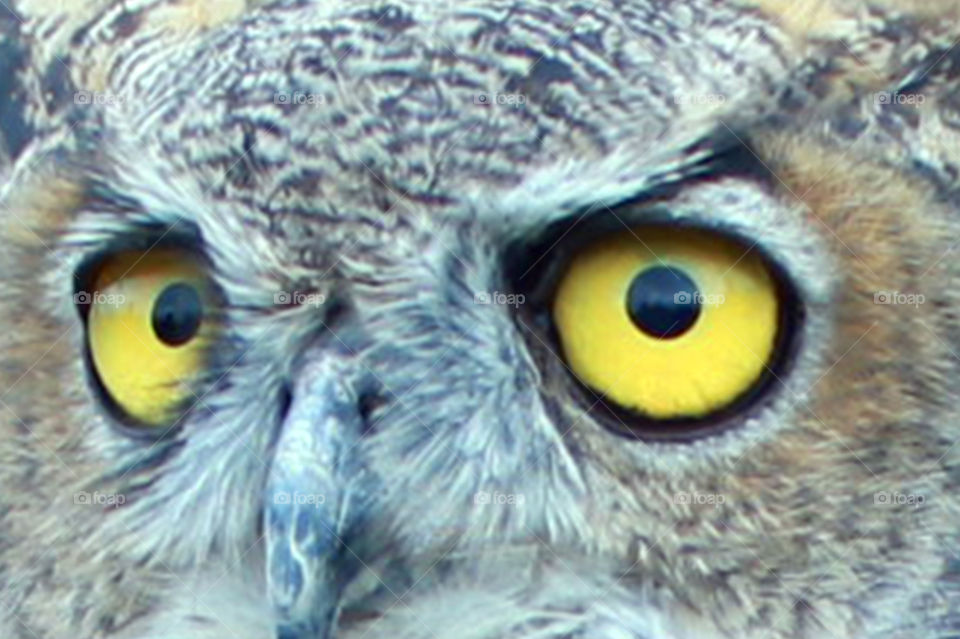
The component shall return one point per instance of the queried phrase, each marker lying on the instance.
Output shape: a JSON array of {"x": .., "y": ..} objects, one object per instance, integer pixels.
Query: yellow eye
[
  {"x": 667, "y": 322},
  {"x": 148, "y": 329}
]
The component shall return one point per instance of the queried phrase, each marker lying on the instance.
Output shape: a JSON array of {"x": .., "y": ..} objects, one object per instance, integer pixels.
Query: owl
[{"x": 619, "y": 319}]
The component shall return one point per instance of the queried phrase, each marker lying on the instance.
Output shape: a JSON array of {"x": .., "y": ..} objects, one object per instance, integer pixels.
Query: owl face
[{"x": 481, "y": 321}]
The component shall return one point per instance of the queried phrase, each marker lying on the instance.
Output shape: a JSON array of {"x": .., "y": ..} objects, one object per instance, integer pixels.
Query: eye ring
[
  {"x": 150, "y": 319},
  {"x": 635, "y": 425}
]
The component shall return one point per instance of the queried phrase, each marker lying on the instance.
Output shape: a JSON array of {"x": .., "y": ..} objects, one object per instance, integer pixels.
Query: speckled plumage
[{"x": 396, "y": 196}]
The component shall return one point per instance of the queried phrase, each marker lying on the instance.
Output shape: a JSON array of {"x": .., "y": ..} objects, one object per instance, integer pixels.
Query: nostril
[
  {"x": 369, "y": 405},
  {"x": 284, "y": 400}
]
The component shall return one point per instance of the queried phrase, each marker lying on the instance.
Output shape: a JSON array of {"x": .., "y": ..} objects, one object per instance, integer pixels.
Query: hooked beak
[{"x": 311, "y": 501}]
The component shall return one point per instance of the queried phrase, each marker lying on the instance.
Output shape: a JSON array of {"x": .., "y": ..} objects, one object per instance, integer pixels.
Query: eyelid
[
  {"x": 140, "y": 276},
  {"x": 535, "y": 268},
  {"x": 138, "y": 238}
]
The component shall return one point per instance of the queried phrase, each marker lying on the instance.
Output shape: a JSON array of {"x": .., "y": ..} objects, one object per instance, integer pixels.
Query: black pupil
[
  {"x": 663, "y": 302},
  {"x": 177, "y": 314}
]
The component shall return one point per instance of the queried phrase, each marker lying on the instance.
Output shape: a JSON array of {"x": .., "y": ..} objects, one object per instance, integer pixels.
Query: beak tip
[
  {"x": 303, "y": 570},
  {"x": 305, "y": 631}
]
